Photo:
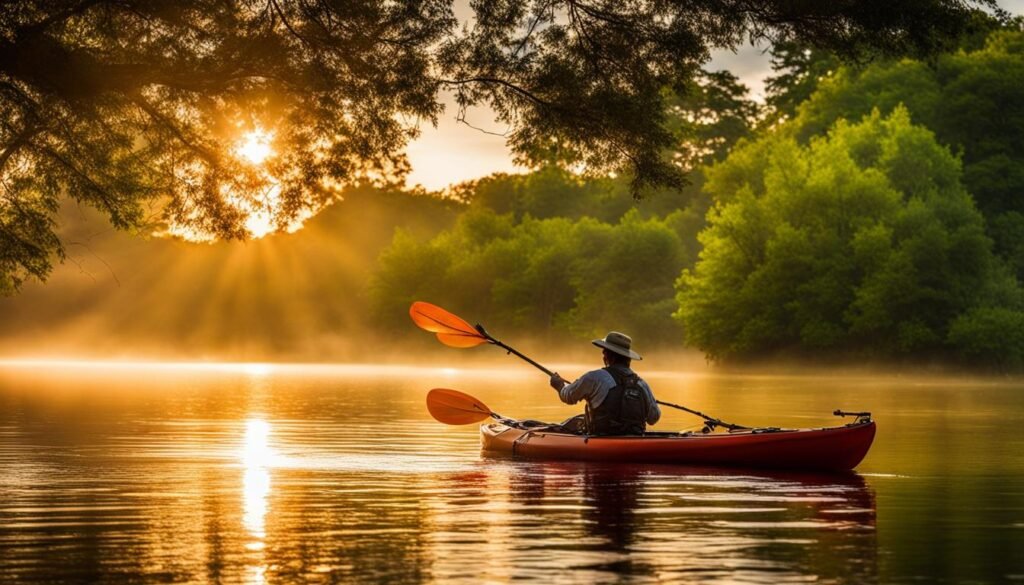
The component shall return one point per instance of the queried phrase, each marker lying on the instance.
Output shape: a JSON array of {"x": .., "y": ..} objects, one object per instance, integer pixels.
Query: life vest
[{"x": 624, "y": 409}]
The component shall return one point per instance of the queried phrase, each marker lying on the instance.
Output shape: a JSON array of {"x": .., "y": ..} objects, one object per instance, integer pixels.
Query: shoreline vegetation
[{"x": 863, "y": 214}]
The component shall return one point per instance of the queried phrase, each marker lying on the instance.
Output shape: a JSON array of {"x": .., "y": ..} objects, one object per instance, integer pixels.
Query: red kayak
[{"x": 825, "y": 449}]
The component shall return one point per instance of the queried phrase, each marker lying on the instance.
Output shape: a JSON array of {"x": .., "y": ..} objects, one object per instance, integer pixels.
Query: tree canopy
[
  {"x": 863, "y": 242},
  {"x": 974, "y": 102},
  {"x": 137, "y": 108}
]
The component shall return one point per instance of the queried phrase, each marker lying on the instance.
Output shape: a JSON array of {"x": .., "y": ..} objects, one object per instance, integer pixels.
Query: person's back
[
  {"x": 624, "y": 410},
  {"x": 618, "y": 401}
]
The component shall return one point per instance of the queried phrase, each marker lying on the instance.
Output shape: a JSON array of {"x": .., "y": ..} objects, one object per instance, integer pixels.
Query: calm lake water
[{"x": 251, "y": 474}]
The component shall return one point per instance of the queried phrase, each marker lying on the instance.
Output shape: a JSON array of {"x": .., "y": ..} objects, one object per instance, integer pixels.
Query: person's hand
[{"x": 557, "y": 381}]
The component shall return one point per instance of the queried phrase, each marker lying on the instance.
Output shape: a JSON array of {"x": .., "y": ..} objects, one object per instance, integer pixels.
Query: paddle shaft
[
  {"x": 523, "y": 357},
  {"x": 480, "y": 329},
  {"x": 518, "y": 354}
]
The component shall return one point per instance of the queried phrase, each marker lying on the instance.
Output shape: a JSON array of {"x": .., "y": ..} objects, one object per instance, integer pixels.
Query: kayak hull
[{"x": 825, "y": 449}]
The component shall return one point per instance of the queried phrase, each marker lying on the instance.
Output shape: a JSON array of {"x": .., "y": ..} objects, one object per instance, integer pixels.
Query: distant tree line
[{"x": 543, "y": 275}]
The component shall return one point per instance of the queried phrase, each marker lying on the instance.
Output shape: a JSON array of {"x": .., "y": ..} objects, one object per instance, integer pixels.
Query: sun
[
  {"x": 254, "y": 147},
  {"x": 260, "y": 202}
]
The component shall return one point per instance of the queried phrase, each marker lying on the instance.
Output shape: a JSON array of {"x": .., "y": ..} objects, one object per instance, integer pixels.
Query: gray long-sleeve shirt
[{"x": 594, "y": 386}]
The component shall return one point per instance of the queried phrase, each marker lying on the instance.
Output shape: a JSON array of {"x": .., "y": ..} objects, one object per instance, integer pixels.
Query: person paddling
[{"x": 618, "y": 401}]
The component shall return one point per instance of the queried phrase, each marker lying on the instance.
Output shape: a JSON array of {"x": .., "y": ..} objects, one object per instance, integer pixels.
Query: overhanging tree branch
[
  {"x": 164, "y": 121},
  {"x": 495, "y": 81},
  {"x": 16, "y": 144}
]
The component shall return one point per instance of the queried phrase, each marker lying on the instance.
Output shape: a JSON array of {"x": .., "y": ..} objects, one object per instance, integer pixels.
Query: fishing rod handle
[{"x": 862, "y": 417}]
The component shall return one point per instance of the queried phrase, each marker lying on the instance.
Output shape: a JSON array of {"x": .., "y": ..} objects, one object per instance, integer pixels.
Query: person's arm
[
  {"x": 653, "y": 411},
  {"x": 584, "y": 387},
  {"x": 557, "y": 381}
]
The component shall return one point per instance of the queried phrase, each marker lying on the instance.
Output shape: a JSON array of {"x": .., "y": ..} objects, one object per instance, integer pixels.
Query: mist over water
[
  {"x": 258, "y": 473},
  {"x": 300, "y": 296}
]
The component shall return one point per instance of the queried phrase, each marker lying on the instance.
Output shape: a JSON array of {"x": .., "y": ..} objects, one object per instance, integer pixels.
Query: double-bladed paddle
[
  {"x": 454, "y": 331},
  {"x": 457, "y": 408}
]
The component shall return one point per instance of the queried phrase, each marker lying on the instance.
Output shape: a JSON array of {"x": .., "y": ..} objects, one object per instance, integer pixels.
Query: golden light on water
[
  {"x": 257, "y": 458},
  {"x": 256, "y": 369}
]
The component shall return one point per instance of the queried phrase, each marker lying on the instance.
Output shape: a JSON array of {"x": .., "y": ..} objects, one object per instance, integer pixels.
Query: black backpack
[{"x": 623, "y": 411}]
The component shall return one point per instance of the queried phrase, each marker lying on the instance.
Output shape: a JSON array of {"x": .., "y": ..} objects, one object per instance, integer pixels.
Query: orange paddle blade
[
  {"x": 455, "y": 408},
  {"x": 451, "y": 330},
  {"x": 460, "y": 340}
]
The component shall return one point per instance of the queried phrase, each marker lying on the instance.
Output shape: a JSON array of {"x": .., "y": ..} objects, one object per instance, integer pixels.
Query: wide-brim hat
[{"x": 618, "y": 343}]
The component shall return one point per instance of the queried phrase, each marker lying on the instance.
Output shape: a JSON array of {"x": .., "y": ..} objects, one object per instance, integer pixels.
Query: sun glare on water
[
  {"x": 256, "y": 369},
  {"x": 257, "y": 457}
]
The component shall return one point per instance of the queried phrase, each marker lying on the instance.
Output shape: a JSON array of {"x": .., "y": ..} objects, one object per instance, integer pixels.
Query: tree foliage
[
  {"x": 991, "y": 336},
  {"x": 709, "y": 118},
  {"x": 974, "y": 102},
  {"x": 861, "y": 242},
  {"x": 557, "y": 275},
  {"x": 125, "y": 104},
  {"x": 798, "y": 68},
  {"x": 796, "y": 71},
  {"x": 549, "y": 191}
]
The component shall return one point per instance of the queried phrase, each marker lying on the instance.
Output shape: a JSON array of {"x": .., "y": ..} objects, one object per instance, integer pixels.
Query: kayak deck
[{"x": 826, "y": 449}]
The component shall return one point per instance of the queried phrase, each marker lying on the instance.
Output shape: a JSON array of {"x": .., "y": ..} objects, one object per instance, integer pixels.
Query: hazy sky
[{"x": 455, "y": 152}]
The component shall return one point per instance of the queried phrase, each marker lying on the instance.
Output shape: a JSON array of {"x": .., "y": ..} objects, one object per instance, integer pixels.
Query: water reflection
[
  {"x": 671, "y": 523},
  {"x": 256, "y": 458}
]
